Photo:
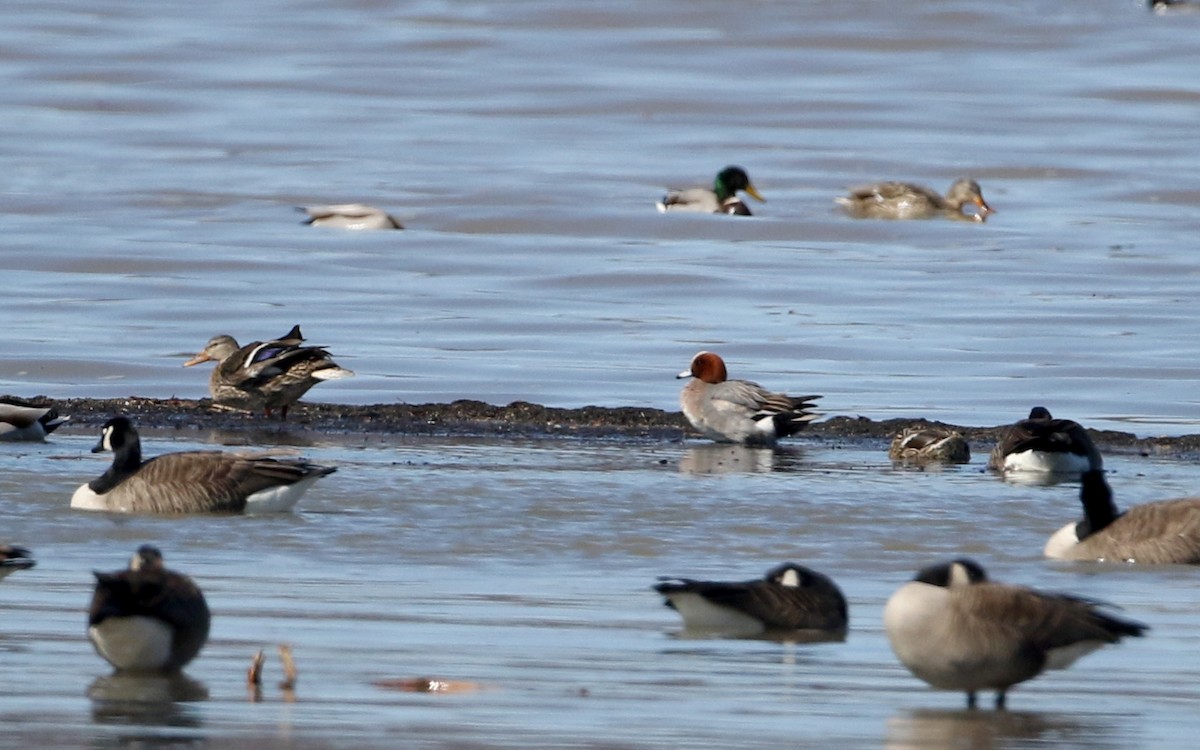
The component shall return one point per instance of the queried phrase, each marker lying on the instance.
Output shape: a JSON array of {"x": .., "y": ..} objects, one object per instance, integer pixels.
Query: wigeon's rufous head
[{"x": 707, "y": 367}]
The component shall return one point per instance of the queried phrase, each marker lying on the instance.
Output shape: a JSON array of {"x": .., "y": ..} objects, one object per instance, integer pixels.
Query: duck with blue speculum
[
  {"x": 265, "y": 375},
  {"x": 904, "y": 200},
  {"x": 721, "y": 199}
]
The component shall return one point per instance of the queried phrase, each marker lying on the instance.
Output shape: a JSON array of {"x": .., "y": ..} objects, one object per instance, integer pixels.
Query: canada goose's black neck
[
  {"x": 127, "y": 459},
  {"x": 1099, "y": 510}
]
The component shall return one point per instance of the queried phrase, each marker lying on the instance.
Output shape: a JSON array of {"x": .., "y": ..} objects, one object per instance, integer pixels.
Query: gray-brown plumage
[
  {"x": 191, "y": 481},
  {"x": 147, "y": 618},
  {"x": 1044, "y": 444},
  {"x": 903, "y": 200},
  {"x": 933, "y": 444},
  {"x": 790, "y": 597},
  {"x": 1160, "y": 533},
  {"x": 265, "y": 375},
  {"x": 956, "y": 630},
  {"x": 13, "y": 558}
]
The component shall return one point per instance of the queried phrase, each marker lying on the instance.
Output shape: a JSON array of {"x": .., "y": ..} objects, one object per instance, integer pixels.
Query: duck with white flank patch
[
  {"x": 739, "y": 411},
  {"x": 265, "y": 375},
  {"x": 904, "y": 200},
  {"x": 13, "y": 558},
  {"x": 1047, "y": 445},
  {"x": 956, "y": 630},
  {"x": 790, "y": 598},
  {"x": 934, "y": 444},
  {"x": 721, "y": 199},
  {"x": 27, "y": 420},
  {"x": 1160, "y": 533},
  {"x": 191, "y": 481},
  {"x": 147, "y": 618},
  {"x": 354, "y": 216}
]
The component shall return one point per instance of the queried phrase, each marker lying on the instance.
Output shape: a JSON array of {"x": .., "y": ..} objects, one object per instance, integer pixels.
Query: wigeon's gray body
[
  {"x": 956, "y": 630},
  {"x": 739, "y": 411},
  {"x": 1166, "y": 532},
  {"x": 903, "y": 200}
]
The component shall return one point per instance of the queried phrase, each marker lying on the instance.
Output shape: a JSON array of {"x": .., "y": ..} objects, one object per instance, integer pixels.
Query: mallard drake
[
  {"x": 265, "y": 375},
  {"x": 147, "y": 618},
  {"x": 26, "y": 420},
  {"x": 956, "y": 630},
  {"x": 349, "y": 216},
  {"x": 1043, "y": 444},
  {"x": 191, "y": 481},
  {"x": 13, "y": 558},
  {"x": 722, "y": 199},
  {"x": 739, "y": 411},
  {"x": 1166, "y": 532},
  {"x": 790, "y": 597},
  {"x": 903, "y": 200},
  {"x": 933, "y": 444}
]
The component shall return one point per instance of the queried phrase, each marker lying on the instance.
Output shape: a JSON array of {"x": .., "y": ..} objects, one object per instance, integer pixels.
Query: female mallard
[
  {"x": 147, "y": 618},
  {"x": 350, "y": 216},
  {"x": 722, "y": 199},
  {"x": 933, "y": 444},
  {"x": 191, "y": 481},
  {"x": 903, "y": 200},
  {"x": 265, "y": 375},
  {"x": 26, "y": 420}
]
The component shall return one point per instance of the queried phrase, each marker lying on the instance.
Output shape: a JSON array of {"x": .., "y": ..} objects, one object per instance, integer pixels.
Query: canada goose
[
  {"x": 739, "y": 411},
  {"x": 13, "y": 558},
  {"x": 1041, "y": 443},
  {"x": 1159, "y": 533},
  {"x": 721, "y": 199},
  {"x": 934, "y": 444},
  {"x": 903, "y": 200},
  {"x": 265, "y": 375},
  {"x": 350, "y": 216},
  {"x": 191, "y": 481},
  {"x": 790, "y": 597},
  {"x": 147, "y": 618},
  {"x": 956, "y": 630},
  {"x": 26, "y": 420}
]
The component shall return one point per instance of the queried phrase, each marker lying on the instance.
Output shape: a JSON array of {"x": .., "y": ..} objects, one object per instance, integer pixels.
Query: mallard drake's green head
[{"x": 732, "y": 179}]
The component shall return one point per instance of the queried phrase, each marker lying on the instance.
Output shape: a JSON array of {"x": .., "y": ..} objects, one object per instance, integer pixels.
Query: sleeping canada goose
[
  {"x": 1159, "y": 533},
  {"x": 191, "y": 481},
  {"x": 147, "y": 618},
  {"x": 265, "y": 375},
  {"x": 13, "y": 558},
  {"x": 721, "y": 199},
  {"x": 933, "y": 444},
  {"x": 350, "y": 216},
  {"x": 790, "y": 597},
  {"x": 956, "y": 630},
  {"x": 26, "y": 420},
  {"x": 1044, "y": 444},
  {"x": 904, "y": 200}
]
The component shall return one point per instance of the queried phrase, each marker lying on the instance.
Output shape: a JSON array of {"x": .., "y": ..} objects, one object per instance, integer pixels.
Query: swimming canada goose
[
  {"x": 147, "y": 618},
  {"x": 956, "y": 630},
  {"x": 26, "y": 420},
  {"x": 790, "y": 597},
  {"x": 903, "y": 200},
  {"x": 350, "y": 216},
  {"x": 1044, "y": 444},
  {"x": 13, "y": 558},
  {"x": 739, "y": 411},
  {"x": 1159, "y": 533},
  {"x": 933, "y": 444},
  {"x": 265, "y": 375},
  {"x": 191, "y": 481},
  {"x": 721, "y": 199}
]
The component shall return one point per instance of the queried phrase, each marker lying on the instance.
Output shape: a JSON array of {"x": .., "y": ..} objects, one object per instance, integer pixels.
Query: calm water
[
  {"x": 522, "y": 570},
  {"x": 152, "y": 160}
]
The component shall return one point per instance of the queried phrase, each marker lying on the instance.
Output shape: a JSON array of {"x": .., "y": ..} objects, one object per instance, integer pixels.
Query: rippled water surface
[{"x": 153, "y": 158}]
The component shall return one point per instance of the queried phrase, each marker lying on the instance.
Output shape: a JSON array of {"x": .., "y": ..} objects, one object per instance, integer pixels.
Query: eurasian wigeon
[{"x": 739, "y": 411}]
